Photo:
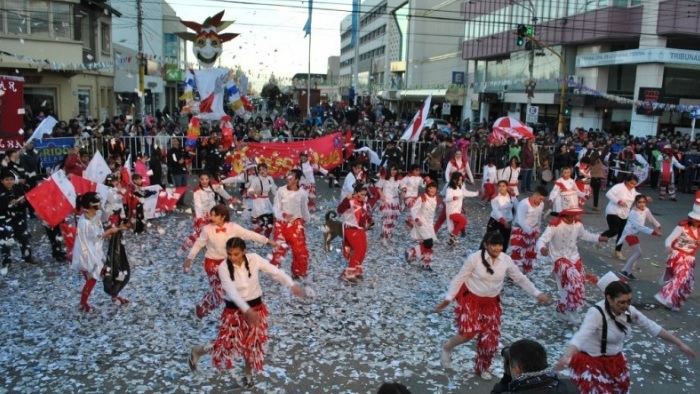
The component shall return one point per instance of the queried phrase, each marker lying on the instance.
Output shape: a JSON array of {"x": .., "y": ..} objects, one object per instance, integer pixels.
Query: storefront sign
[
  {"x": 11, "y": 112},
  {"x": 458, "y": 77},
  {"x": 636, "y": 56},
  {"x": 53, "y": 150}
]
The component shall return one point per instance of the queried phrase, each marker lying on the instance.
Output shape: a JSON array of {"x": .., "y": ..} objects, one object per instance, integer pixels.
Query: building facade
[
  {"x": 64, "y": 51},
  {"x": 625, "y": 49}
]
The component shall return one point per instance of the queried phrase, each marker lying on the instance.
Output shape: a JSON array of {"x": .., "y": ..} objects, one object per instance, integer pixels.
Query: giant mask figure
[{"x": 205, "y": 88}]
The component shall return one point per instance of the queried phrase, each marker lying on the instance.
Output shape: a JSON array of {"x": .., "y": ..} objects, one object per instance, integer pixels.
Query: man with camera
[{"x": 526, "y": 371}]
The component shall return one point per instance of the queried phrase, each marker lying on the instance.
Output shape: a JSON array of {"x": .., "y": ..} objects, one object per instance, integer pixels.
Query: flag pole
[{"x": 308, "y": 83}]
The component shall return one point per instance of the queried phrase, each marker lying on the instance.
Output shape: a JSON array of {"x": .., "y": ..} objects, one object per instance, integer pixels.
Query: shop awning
[{"x": 420, "y": 94}]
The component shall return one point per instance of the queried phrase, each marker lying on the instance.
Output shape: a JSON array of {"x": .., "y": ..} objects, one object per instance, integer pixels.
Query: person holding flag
[{"x": 414, "y": 128}]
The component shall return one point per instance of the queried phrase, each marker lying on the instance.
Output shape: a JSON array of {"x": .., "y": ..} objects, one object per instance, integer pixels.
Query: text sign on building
[
  {"x": 446, "y": 109},
  {"x": 532, "y": 114},
  {"x": 651, "y": 96},
  {"x": 458, "y": 77},
  {"x": 637, "y": 56},
  {"x": 11, "y": 112}
]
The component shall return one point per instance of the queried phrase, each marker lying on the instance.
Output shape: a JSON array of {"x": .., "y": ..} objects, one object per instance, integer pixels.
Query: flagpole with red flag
[{"x": 414, "y": 129}]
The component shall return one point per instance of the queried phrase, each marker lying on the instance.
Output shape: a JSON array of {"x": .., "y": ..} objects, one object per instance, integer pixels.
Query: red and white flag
[
  {"x": 84, "y": 185},
  {"x": 168, "y": 198},
  {"x": 414, "y": 129},
  {"x": 54, "y": 199},
  {"x": 126, "y": 172}
]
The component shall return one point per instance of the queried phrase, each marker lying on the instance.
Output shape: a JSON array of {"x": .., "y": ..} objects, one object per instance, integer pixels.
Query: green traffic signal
[
  {"x": 529, "y": 31},
  {"x": 521, "y": 41},
  {"x": 567, "y": 111}
]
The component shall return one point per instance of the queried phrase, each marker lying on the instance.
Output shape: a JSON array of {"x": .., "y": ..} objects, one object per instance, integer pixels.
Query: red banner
[
  {"x": 11, "y": 112},
  {"x": 280, "y": 157}
]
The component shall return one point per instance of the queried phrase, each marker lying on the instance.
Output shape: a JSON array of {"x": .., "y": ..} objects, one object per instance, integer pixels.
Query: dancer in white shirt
[
  {"x": 204, "y": 198},
  {"x": 511, "y": 174},
  {"x": 636, "y": 221},
  {"x": 458, "y": 164},
  {"x": 526, "y": 229},
  {"x": 410, "y": 185},
  {"x": 489, "y": 178},
  {"x": 564, "y": 192},
  {"x": 214, "y": 237},
  {"x": 620, "y": 200},
  {"x": 351, "y": 179},
  {"x": 503, "y": 207},
  {"x": 476, "y": 290},
  {"x": 389, "y": 194},
  {"x": 291, "y": 210},
  {"x": 308, "y": 181},
  {"x": 422, "y": 215},
  {"x": 262, "y": 187},
  {"x": 456, "y": 221},
  {"x": 595, "y": 351},
  {"x": 243, "y": 329},
  {"x": 559, "y": 242}
]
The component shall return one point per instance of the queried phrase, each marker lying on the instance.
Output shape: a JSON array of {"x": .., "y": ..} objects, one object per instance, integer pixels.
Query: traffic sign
[
  {"x": 694, "y": 113},
  {"x": 532, "y": 114}
]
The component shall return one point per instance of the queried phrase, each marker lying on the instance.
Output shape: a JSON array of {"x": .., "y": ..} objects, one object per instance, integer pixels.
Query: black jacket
[{"x": 547, "y": 383}]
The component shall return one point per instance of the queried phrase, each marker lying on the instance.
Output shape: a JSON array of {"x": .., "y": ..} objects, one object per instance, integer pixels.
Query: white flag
[
  {"x": 45, "y": 128},
  {"x": 414, "y": 129},
  {"x": 97, "y": 170}
]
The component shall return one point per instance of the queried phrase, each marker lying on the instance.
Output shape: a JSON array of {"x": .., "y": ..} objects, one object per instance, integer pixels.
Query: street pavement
[{"x": 344, "y": 339}]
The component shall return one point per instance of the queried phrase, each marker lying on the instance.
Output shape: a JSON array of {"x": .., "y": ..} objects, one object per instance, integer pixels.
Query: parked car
[{"x": 439, "y": 122}]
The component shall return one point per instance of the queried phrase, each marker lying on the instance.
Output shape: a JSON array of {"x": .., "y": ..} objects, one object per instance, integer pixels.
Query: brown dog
[{"x": 331, "y": 230}]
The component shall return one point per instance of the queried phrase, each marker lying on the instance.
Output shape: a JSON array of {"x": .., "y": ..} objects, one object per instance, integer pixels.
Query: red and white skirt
[
  {"x": 238, "y": 339},
  {"x": 600, "y": 375},
  {"x": 476, "y": 314}
]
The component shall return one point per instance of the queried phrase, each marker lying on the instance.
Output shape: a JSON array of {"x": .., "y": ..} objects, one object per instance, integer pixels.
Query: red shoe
[{"x": 119, "y": 300}]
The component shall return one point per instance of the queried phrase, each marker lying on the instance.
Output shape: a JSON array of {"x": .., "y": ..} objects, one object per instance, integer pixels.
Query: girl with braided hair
[
  {"x": 476, "y": 290},
  {"x": 595, "y": 353},
  {"x": 243, "y": 328}
]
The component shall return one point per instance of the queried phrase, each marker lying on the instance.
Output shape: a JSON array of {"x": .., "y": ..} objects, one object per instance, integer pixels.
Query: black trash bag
[{"x": 117, "y": 270}]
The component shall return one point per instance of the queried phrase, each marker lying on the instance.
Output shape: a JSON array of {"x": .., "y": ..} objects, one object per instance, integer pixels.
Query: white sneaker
[
  {"x": 445, "y": 359},
  {"x": 385, "y": 242},
  {"x": 486, "y": 375},
  {"x": 3, "y": 271}
]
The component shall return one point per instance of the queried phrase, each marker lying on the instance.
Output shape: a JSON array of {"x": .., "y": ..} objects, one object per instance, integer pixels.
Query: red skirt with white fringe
[
  {"x": 600, "y": 375},
  {"x": 522, "y": 249},
  {"x": 238, "y": 339},
  {"x": 679, "y": 279},
  {"x": 480, "y": 317},
  {"x": 572, "y": 286}
]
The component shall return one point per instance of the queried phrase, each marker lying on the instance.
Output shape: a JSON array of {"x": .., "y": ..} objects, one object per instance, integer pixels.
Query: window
[
  {"x": 61, "y": 13},
  {"x": 40, "y": 99},
  {"x": 82, "y": 29},
  {"x": 106, "y": 32},
  {"x": 16, "y": 17},
  {"x": 84, "y": 102},
  {"x": 39, "y": 17}
]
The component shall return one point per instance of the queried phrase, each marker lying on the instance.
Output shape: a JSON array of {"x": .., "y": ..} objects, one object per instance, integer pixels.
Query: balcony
[{"x": 678, "y": 17}]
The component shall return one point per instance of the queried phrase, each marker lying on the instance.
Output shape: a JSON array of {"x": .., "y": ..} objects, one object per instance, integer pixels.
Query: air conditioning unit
[{"x": 501, "y": 95}]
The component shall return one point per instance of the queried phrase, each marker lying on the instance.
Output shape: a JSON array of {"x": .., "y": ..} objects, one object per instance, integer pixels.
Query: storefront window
[{"x": 84, "y": 102}]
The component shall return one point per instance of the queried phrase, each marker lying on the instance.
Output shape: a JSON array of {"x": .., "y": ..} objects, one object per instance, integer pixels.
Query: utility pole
[
  {"x": 141, "y": 60},
  {"x": 562, "y": 93},
  {"x": 531, "y": 62}
]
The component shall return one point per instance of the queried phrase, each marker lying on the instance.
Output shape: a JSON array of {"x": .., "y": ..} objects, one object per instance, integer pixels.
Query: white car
[{"x": 439, "y": 122}]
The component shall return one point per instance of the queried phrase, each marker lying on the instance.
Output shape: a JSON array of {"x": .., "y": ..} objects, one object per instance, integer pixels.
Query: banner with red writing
[
  {"x": 11, "y": 112},
  {"x": 280, "y": 157}
]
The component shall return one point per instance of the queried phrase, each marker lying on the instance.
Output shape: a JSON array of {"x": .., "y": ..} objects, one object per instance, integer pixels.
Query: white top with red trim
[
  {"x": 244, "y": 288},
  {"x": 308, "y": 170},
  {"x": 390, "y": 190},
  {"x": 684, "y": 238},
  {"x": 636, "y": 223},
  {"x": 424, "y": 209},
  {"x": 589, "y": 335},
  {"x": 355, "y": 213},
  {"x": 489, "y": 174},
  {"x": 461, "y": 166},
  {"x": 483, "y": 284},
  {"x": 561, "y": 186},
  {"x": 204, "y": 199},
  {"x": 291, "y": 205},
  {"x": 454, "y": 197},
  {"x": 502, "y": 208},
  {"x": 560, "y": 238},
  {"x": 215, "y": 241}
]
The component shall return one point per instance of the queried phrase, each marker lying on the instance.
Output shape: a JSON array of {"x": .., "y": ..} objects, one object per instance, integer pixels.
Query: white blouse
[
  {"x": 244, "y": 288},
  {"x": 291, "y": 205},
  {"x": 561, "y": 239},
  {"x": 527, "y": 217},
  {"x": 636, "y": 223},
  {"x": 483, "y": 284},
  {"x": 618, "y": 193},
  {"x": 215, "y": 241},
  {"x": 502, "y": 207},
  {"x": 424, "y": 209},
  {"x": 205, "y": 199},
  {"x": 87, "y": 251},
  {"x": 410, "y": 185},
  {"x": 590, "y": 334}
]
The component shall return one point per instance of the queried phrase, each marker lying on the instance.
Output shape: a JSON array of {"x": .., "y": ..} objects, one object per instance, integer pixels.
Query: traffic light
[
  {"x": 567, "y": 107},
  {"x": 522, "y": 30}
]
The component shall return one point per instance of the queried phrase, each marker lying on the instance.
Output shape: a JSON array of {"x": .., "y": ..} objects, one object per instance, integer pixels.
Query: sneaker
[
  {"x": 3, "y": 271},
  {"x": 596, "y": 209},
  {"x": 628, "y": 275},
  {"x": 663, "y": 302},
  {"x": 348, "y": 279},
  {"x": 619, "y": 255},
  {"x": 486, "y": 375},
  {"x": 119, "y": 301},
  {"x": 248, "y": 383},
  {"x": 427, "y": 267},
  {"x": 445, "y": 359}
]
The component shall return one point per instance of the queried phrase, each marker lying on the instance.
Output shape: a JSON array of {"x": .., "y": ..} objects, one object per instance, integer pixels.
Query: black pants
[
  {"x": 434, "y": 176},
  {"x": 21, "y": 234},
  {"x": 495, "y": 225},
  {"x": 55, "y": 238},
  {"x": 654, "y": 179},
  {"x": 615, "y": 227},
  {"x": 596, "y": 183}
]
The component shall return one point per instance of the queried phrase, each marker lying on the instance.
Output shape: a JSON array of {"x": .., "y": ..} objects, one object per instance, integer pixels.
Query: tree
[{"x": 271, "y": 92}]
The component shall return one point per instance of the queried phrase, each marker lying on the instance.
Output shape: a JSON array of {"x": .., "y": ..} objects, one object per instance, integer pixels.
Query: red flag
[
  {"x": 82, "y": 185},
  {"x": 349, "y": 144},
  {"x": 50, "y": 203},
  {"x": 168, "y": 198}
]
